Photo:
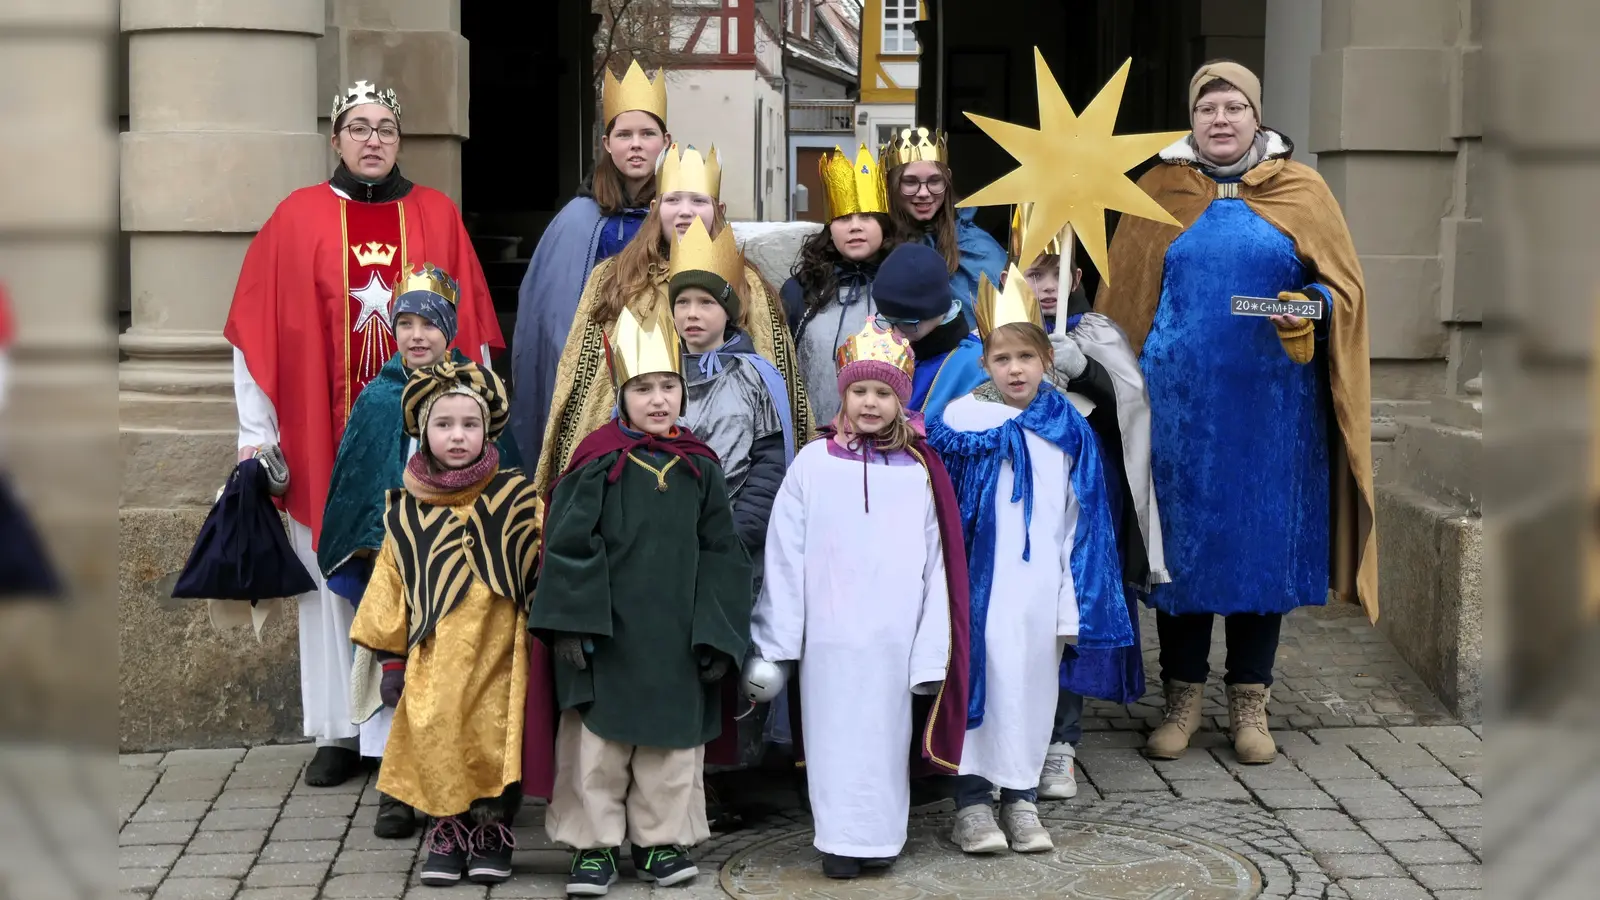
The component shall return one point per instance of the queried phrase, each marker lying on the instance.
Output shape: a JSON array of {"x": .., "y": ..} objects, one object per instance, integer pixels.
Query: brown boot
[
  {"x": 1171, "y": 738},
  {"x": 1247, "y": 721}
]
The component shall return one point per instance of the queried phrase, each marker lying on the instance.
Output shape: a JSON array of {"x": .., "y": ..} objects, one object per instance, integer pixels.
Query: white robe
[
  {"x": 860, "y": 598},
  {"x": 1033, "y": 610}
]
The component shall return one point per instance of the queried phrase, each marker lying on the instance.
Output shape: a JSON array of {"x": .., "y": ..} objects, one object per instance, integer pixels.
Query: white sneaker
[
  {"x": 1058, "y": 781},
  {"x": 1020, "y": 822},
  {"x": 975, "y": 830}
]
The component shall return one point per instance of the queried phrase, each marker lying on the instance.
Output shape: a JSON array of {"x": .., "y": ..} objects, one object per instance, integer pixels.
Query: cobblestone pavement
[{"x": 1376, "y": 795}]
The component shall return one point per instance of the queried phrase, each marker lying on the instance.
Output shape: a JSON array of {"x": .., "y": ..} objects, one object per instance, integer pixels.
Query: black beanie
[
  {"x": 711, "y": 283},
  {"x": 913, "y": 283}
]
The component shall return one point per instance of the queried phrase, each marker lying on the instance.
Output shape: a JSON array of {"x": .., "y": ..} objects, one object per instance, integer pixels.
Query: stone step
[
  {"x": 1465, "y": 412},
  {"x": 1440, "y": 461}
]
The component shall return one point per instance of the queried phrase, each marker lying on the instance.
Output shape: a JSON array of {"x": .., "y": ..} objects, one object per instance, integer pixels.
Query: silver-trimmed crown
[{"x": 364, "y": 92}]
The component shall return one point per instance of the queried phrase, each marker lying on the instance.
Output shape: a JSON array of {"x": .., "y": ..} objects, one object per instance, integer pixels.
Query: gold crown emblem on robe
[
  {"x": 1021, "y": 218},
  {"x": 641, "y": 346},
  {"x": 428, "y": 277},
  {"x": 686, "y": 170},
  {"x": 697, "y": 251},
  {"x": 914, "y": 145},
  {"x": 635, "y": 90},
  {"x": 374, "y": 253},
  {"x": 874, "y": 344},
  {"x": 1005, "y": 306},
  {"x": 363, "y": 92},
  {"x": 853, "y": 187}
]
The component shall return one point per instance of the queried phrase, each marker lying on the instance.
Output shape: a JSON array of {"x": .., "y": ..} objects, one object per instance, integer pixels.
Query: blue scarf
[{"x": 974, "y": 460}]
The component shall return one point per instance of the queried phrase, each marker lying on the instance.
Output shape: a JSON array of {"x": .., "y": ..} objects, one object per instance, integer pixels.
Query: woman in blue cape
[{"x": 593, "y": 226}]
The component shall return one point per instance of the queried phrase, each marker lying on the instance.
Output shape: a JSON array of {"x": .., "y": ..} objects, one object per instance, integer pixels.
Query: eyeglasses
[
  {"x": 909, "y": 186},
  {"x": 1233, "y": 112},
  {"x": 361, "y": 131},
  {"x": 888, "y": 323}
]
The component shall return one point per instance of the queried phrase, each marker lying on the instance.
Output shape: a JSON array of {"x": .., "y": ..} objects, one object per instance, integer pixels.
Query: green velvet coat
[{"x": 654, "y": 579}]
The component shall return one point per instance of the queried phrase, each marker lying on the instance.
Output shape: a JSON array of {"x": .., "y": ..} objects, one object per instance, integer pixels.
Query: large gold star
[{"x": 1073, "y": 168}]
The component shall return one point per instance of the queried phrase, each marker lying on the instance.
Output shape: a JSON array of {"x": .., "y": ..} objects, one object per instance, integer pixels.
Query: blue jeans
[
  {"x": 973, "y": 790},
  {"x": 1069, "y": 718}
]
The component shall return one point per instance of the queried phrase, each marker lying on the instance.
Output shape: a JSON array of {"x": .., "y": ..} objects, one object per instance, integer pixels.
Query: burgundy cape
[
  {"x": 540, "y": 713},
  {"x": 941, "y": 723}
]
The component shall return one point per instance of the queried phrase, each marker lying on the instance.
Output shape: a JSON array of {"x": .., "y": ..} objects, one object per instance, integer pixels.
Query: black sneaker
[
  {"x": 593, "y": 872},
  {"x": 664, "y": 865},
  {"x": 395, "y": 819},
  {"x": 332, "y": 766},
  {"x": 489, "y": 857},
  {"x": 447, "y": 845},
  {"x": 835, "y": 866}
]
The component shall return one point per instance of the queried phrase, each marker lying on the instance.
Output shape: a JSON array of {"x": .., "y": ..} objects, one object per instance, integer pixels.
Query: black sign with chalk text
[{"x": 1272, "y": 306}]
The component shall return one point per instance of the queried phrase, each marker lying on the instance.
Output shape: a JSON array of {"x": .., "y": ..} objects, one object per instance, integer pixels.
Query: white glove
[{"x": 1070, "y": 361}]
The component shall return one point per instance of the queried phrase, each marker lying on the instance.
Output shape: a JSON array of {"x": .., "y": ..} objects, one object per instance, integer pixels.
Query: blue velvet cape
[
  {"x": 940, "y": 379},
  {"x": 981, "y": 254},
  {"x": 1239, "y": 434},
  {"x": 974, "y": 460},
  {"x": 371, "y": 462},
  {"x": 575, "y": 241}
]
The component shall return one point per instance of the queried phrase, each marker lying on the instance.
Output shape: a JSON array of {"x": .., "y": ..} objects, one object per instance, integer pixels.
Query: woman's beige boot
[
  {"x": 1247, "y": 721},
  {"x": 1171, "y": 738}
]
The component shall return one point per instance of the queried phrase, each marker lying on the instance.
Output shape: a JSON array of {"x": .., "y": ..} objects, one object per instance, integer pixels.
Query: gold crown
[
  {"x": 687, "y": 170},
  {"x": 1015, "y": 303},
  {"x": 852, "y": 189},
  {"x": 914, "y": 145},
  {"x": 1021, "y": 219},
  {"x": 374, "y": 253},
  {"x": 428, "y": 277},
  {"x": 697, "y": 251},
  {"x": 634, "y": 90},
  {"x": 874, "y": 344},
  {"x": 640, "y": 347},
  {"x": 363, "y": 92}
]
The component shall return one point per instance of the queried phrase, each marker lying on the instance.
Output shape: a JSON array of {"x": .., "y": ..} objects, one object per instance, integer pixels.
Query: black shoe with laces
[
  {"x": 332, "y": 766},
  {"x": 593, "y": 872},
  {"x": 835, "y": 866},
  {"x": 395, "y": 819},
  {"x": 447, "y": 845},
  {"x": 665, "y": 865},
  {"x": 489, "y": 855}
]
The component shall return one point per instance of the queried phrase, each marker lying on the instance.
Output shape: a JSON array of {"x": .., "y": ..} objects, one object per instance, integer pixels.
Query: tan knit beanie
[{"x": 1234, "y": 74}]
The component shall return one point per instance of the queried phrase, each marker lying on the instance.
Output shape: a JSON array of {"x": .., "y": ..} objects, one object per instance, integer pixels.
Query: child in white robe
[{"x": 856, "y": 591}]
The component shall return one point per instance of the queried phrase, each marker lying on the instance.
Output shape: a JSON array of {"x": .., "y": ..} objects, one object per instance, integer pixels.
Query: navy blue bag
[
  {"x": 25, "y": 569},
  {"x": 242, "y": 552}
]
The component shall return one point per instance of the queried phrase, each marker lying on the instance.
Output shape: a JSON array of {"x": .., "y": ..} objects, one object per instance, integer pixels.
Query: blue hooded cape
[
  {"x": 974, "y": 460},
  {"x": 981, "y": 254},
  {"x": 948, "y": 376}
]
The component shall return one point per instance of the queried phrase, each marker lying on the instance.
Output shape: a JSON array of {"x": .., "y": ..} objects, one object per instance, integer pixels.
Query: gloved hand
[
  {"x": 713, "y": 666},
  {"x": 393, "y": 683},
  {"x": 1070, "y": 361},
  {"x": 1299, "y": 341},
  {"x": 569, "y": 649}
]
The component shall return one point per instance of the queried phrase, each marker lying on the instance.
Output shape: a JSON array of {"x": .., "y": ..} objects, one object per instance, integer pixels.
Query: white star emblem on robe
[{"x": 374, "y": 300}]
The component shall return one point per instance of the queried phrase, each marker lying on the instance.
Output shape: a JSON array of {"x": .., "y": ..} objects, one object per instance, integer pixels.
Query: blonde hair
[
  {"x": 898, "y": 434},
  {"x": 644, "y": 257},
  {"x": 1028, "y": 335}
]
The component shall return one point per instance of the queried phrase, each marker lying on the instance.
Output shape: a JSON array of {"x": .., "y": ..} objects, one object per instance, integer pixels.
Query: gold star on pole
[{"x": 1073, "y": 168}]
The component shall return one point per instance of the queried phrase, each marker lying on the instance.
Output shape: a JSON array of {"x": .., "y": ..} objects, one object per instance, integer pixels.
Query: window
[
  {"x": 898, "y": 18},
  {"x": 887, "y": 133}
]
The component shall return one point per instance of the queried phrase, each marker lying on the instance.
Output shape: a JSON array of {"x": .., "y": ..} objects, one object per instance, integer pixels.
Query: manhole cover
[{"x": 1091, "y": 860}]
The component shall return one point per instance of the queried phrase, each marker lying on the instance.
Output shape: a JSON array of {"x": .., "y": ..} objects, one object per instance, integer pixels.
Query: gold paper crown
[
  {"x": 1021, "y": 218},
  {"x": 363, "y": 92},
  {"x": 914, "y": 145},
  {"x": 640, "y": 347},
  {"x": 427, "y": 277},
  {"x": 852, "y": 188},
  {"x": 696, "y": 251},
  {"x": 687, "y": 170},
  {"x": 874, "y": 344},
  {"x": 635, "y": 90},
  {"x": 996, "y": 307}
]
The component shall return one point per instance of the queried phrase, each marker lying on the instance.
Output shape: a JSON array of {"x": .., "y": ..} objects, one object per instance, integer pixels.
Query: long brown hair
[
  {"x": 909, "y": 229},
  {"x": 610, "y": 189},
  {"x": 814, "y": 269},
  {"x": 642, "y": 260}
]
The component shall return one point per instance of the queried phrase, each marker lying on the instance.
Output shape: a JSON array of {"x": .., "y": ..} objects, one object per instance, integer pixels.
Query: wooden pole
[{"x": 1064, "y": 291}]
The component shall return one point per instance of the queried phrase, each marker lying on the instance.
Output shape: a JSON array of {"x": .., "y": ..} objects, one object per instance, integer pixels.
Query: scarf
[
  {"x": 449, "y": 487},
  {"x": 1252, "y": 157},
  {"x": 739, "y": 346},
  {"x": 975, "y": 460},
  {"x": 943, "y": 339},
  {"x": 394, "y": 186},
  {"x": 614, "y": 437}
]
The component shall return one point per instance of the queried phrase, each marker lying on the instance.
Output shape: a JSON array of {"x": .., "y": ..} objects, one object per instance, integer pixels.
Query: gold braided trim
[{"x": 1228, "y": 190}]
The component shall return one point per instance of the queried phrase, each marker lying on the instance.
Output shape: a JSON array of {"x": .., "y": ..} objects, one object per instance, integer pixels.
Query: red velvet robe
[{"x": 307, "y": 317}]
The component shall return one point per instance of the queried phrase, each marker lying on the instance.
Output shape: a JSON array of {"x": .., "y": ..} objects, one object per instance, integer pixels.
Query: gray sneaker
[
  {"x": 975, "y": 830},
  {"x": 1020, "y": 822},
  {"x": 1058, "y": 781}
]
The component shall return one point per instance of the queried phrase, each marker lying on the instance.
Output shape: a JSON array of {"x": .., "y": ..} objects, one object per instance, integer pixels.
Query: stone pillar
[
  {"x": 223, "y": 103},
  {"x": 415, "y": 47},
  {"x": 1294, "y": 36}
]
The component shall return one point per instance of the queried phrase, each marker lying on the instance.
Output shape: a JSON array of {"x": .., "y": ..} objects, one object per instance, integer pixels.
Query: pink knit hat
[{"x": 877, "y": 354}]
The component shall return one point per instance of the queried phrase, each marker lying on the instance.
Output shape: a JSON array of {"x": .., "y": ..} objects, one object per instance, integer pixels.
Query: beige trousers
[{"x": 605, "y": 791}]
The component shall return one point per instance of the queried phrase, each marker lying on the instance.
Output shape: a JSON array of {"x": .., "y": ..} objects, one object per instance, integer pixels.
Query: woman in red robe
[{"x": 310, "y": 327}]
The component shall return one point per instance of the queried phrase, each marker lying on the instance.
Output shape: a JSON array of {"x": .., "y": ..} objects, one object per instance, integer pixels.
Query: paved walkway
[{"x": 1376, "y": 796}]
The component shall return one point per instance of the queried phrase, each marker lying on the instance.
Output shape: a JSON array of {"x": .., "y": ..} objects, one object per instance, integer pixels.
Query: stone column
[{"x": 415, "y": 47}]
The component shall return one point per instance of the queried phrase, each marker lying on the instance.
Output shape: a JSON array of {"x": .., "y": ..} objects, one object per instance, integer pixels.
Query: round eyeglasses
[{"x": 361, "y": 131}]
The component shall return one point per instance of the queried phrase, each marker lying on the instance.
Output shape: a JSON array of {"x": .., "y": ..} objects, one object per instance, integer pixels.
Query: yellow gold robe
[{"x": 585, "y": 396}]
